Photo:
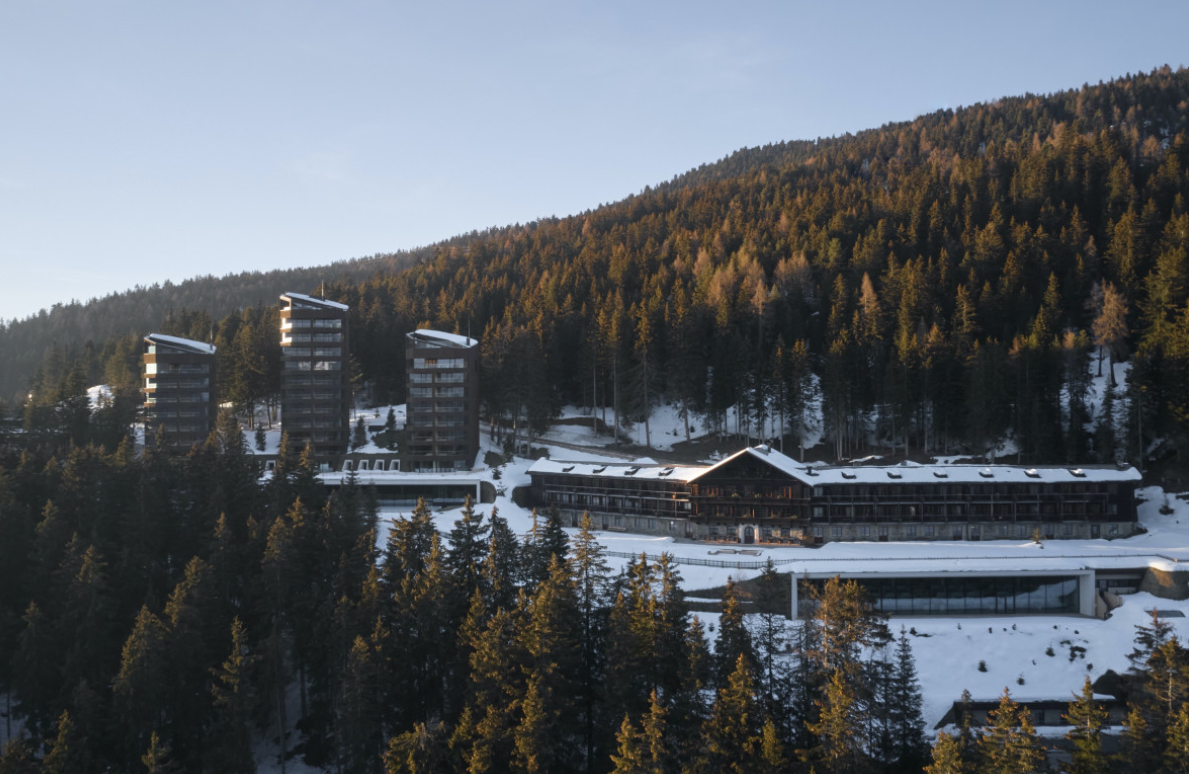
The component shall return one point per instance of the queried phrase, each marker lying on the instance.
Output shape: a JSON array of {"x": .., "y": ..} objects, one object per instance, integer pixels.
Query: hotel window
[
  {"x": 929, "y": 530},
  {"x": 910, "y": 531},
  {"x": 836, "y": 532}
]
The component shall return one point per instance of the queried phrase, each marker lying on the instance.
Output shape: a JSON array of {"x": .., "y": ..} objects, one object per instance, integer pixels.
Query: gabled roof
[
  {"x": 767, "y": 455},
  {"x": 451, "y": 339},
  {"x": 303, "y": 298},
  {"x": 188, "y": 345}
]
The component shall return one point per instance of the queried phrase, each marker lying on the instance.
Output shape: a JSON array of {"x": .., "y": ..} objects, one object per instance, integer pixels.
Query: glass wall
[{"x": 967, "y": 596}]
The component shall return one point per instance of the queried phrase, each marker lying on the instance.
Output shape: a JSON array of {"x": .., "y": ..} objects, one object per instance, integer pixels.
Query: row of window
[
  {"x": 294, "y": 322},
  {"x": 313, "y": 352},
  {"x": 438, "y": 392},
  {"x": 318, "y": 365},
  {"x": 441, "y": 362},
  {"x": 453, "y": 377},
  {"x": 177, "y": 368}
]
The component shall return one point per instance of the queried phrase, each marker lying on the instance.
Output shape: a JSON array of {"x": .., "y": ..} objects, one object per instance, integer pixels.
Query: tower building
[
  {"x": 442, "y": 409},
  {"x": 179, "y": 388},
  {"x": 315, "y": 386}
]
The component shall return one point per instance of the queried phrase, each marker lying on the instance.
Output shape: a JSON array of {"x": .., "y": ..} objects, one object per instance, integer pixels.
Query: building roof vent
[
  {"x": 666, "y": 472},
  {"x": 810, "y": 472},
  {"x": 849, "y": 474},
  {"x": 892, "y": 474},
  {"x": 567, "y": 468},
  {"x": 986, "y": 473},
  {"x": 941, "y": 474},
  {"x": 1077, "y": 472},
  {"x": 599, "y": 469},
  {"x": 631, "y": 471},
  {"x": 1032, "y": 473}
]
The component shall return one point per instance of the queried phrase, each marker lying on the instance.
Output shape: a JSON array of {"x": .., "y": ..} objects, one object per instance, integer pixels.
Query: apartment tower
[
  {"x": 315, "y": 379},
  {"x": 442, "y": 411},
  {"x": 179, "y": 389}
]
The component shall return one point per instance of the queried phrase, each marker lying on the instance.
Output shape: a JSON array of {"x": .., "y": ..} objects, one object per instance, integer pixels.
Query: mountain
[{"x": 943, "y": 281}]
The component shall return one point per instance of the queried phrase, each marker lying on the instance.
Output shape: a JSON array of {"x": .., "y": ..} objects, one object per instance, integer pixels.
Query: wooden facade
[{"x": 762, "y": 496}]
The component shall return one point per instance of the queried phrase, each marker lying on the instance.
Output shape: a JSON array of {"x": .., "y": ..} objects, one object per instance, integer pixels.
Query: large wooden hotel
[{"x": 759, "y": 495}]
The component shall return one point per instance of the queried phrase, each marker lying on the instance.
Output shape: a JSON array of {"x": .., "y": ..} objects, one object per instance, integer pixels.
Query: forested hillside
[
  {"x": 947, "y": 281},
  {"x": 82, "y": 328}
]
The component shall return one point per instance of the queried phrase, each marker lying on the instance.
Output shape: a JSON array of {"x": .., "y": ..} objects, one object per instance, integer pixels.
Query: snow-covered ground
[
  {"x": 666, "y": 427},
  {"x": 948, "y": 650}
]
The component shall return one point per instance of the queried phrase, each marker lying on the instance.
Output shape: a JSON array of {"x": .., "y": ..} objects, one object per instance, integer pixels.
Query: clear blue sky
[{"x": 145, "y": 141}]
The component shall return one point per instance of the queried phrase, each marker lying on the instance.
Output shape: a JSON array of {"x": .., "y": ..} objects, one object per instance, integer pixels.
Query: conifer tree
[
  {"x": 67, "y": 754},
  {"x": 468, "y": 546},
  {"x": 906, "y": 721},
  {"x": 1086, "y": 719},
  {"x": 420, "y": 750},
  {"x": 142, "y": 685},
  {"x": 234, "y": 696},
  {"x": 1010, "y": 745},
  {"x": 631, "y": 756},
  {"x": 734, "y": 639},
  {"x": 591, "y": 579},
  {"x": 501, "y": 566},
  {"x": 771, "y": 637},
  {"x": 733, "y": 731},
  {"x": 1176, "y": 753},
  {"x": 948, "y": 756},
  {"x": 158, "y": 759}
]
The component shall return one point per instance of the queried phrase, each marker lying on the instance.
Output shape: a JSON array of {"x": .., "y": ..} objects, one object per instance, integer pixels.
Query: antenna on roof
[{"x": 322, "y": 291}]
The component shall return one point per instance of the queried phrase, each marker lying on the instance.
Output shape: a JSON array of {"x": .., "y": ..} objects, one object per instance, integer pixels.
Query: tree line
[
  {"x": 169, "y": 613},
  {"x": 938, "y": 285}
]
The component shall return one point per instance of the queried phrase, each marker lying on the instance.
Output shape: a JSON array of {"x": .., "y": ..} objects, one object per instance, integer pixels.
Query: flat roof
[
  {"x": 453, "y": 339},
  {"x": 916, "y": 473},
  {"x": 198, "y": 347},
  {"x": 302, "y": 297}
]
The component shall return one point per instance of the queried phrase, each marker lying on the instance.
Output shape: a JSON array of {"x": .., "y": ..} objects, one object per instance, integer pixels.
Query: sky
[{"x": 149, "y": 141}]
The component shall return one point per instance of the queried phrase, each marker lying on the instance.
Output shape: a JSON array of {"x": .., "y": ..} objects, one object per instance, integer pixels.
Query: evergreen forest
[
  {"x": 940, "y": 285},
  {"x": 178, "y": 614}
]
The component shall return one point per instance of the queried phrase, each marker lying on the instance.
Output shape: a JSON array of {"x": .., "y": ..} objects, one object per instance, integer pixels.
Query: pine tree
[
  {"x": 734, "y": 639},
  {"x": 234, "y": 695},
  {"x": 421, "y": 750},
  {"x": 67, "y": 755},
  {"x": 948, "y": 756},
  {"x": 141, "y": 687},
  {"x": 468, "y": 546},
  {"x": 841, "y": 730},
  {"x": 907, "y": 723},
  {"x": 17, "y": 757},
  {"x": 1176, "y": 754},
  {"x": 732, "y": 732},
  {"x": 591, "y": 578},
  {"x": 158, "y": 759},
  {"x": 631, "y": 758},
  {"x": 771, "y": 638},
  {"x": 1086, "y": 719},
  {"x": 1010, "y": 745}
]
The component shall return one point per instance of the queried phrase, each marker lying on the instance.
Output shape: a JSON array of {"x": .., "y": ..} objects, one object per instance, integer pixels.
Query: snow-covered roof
[
  {"x": 915, "y": 473},
  {"x": 904, "y": 473},
  {"x": 453, "y": 339},
  {"x": 912, "y": 473},
  {"x": 198, "y": 347},
  {"x": 616, "y": 470},
  {"x": 303, "y": 298},
  {"x": 781, "y": 462}
]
